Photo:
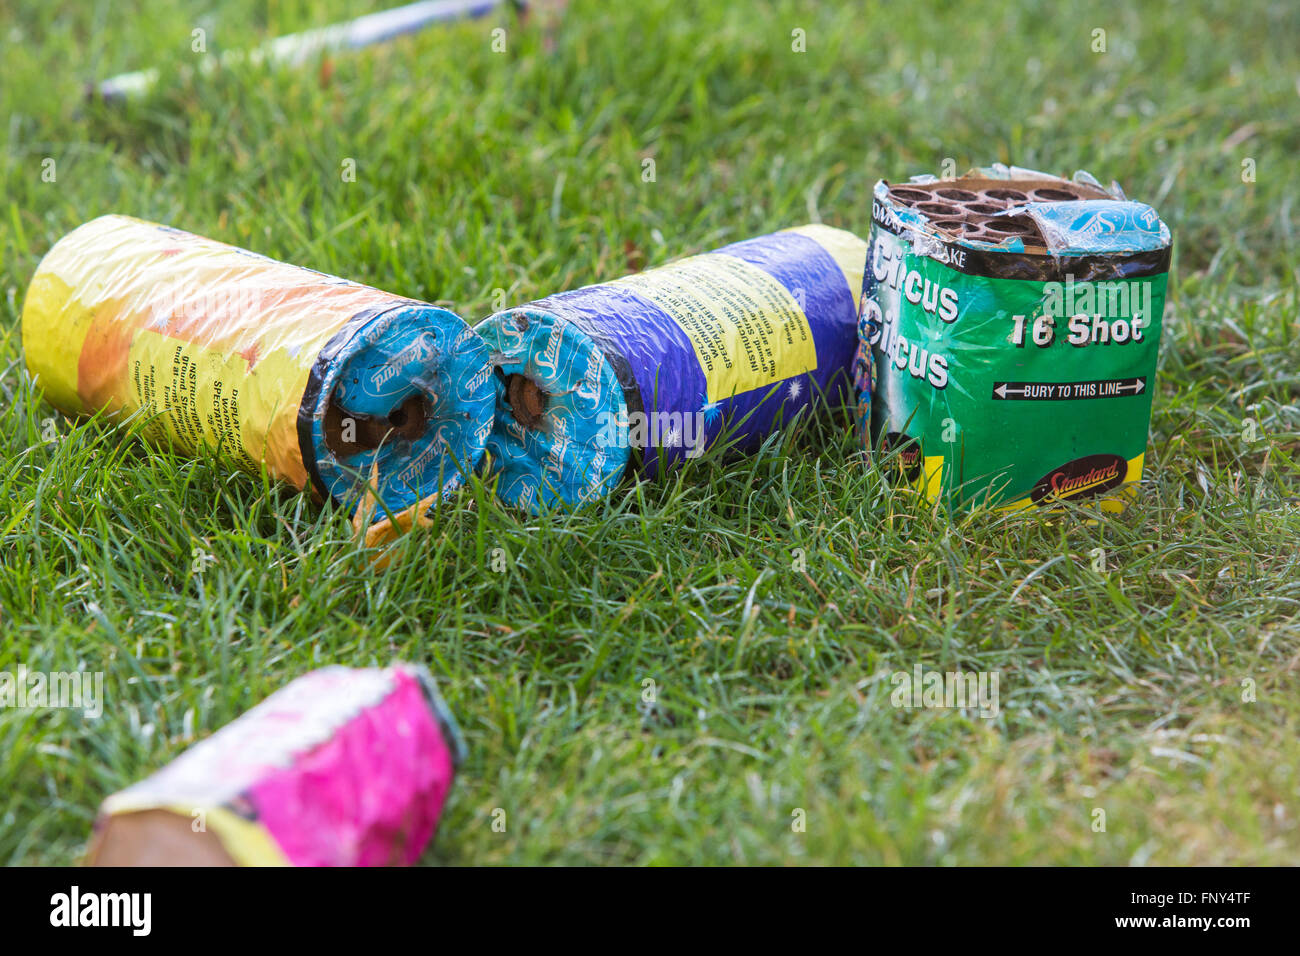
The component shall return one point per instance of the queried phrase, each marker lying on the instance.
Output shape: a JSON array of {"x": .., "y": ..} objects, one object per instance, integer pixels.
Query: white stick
[{"x": 297, "y": 48}]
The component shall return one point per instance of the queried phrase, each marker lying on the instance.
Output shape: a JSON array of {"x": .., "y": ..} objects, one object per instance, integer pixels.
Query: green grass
[{"x": 1121, "y": 690}]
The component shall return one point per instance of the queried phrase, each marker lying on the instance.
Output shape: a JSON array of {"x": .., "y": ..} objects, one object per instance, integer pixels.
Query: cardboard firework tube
[
  {"x": 341, "y": 767},
  {"x": 665, "y": 360},
  {"x": 318, "y": 380},
  {"x": 1008, "y": 348}
]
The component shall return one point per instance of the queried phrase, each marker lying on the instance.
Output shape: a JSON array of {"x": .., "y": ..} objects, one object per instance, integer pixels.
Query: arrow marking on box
[{"x": 1069, "y": 391}]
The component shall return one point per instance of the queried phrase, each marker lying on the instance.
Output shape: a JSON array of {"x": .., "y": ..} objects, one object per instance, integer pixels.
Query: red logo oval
[
  {"x": 906, "y": 450},
  {"x": 1081, "y": 478}
]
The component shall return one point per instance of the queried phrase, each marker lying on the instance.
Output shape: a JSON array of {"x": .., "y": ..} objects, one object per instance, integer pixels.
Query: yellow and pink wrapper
[{"x": 341, "y": 767}]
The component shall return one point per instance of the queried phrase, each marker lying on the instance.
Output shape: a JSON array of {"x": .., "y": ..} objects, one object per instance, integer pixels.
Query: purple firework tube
[{"x": 654, "y": 367}]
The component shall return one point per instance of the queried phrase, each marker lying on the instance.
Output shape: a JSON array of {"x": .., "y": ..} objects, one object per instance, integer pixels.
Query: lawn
[{"x": 698, "y": 670}]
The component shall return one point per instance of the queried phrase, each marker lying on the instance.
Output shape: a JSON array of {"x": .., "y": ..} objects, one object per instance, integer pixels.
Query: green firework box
[{"x": 1008, "y": 334}]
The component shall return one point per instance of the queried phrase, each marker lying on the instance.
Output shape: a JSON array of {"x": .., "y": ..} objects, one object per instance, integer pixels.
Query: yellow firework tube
[{"x": 313, "y": 378}]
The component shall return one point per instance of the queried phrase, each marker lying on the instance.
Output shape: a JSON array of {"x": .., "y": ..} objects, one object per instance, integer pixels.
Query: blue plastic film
[{"x": 405, "y": 395}]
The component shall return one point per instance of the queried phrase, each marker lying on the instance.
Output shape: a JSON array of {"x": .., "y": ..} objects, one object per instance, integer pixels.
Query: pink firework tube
[{"x": 342, "y": 767}]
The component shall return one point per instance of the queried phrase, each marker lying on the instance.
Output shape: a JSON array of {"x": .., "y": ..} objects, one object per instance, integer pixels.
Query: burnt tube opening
[
  {"x": 1056, "y": 195},
  {"x": 1006, "y": 195},
  {"x": 956, "y": 195},
  {"x": 905, "y": 195},
  {"x": 957, "y": 227},
  {"x": 347, "y": 433},
  {"x": 1011, "y": 227},
  {"x": 938, "y": 209},
  {"x": 526, "y": 399}
]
